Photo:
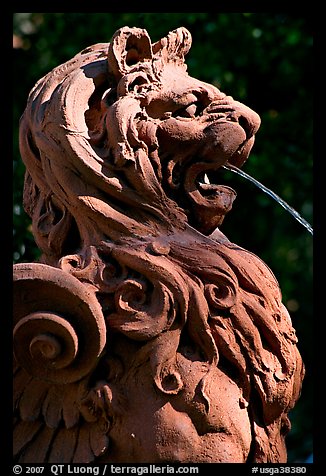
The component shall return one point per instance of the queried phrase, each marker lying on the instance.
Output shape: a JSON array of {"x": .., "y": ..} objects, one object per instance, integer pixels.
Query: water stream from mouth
[{"x": 269, "y": 192}]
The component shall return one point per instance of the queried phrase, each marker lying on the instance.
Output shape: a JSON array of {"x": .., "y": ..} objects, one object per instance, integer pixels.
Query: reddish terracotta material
[{"x": 143, "y": 334}]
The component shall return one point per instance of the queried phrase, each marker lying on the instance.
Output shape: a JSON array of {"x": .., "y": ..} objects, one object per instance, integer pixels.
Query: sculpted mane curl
[{"x": 116, "y": 143}]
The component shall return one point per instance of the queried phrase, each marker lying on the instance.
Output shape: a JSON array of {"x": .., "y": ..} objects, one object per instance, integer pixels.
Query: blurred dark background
[{"x": 261, "y": 59}]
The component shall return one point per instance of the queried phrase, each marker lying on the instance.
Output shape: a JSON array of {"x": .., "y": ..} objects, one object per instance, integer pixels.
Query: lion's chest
[{"x": 156, "y": 427}]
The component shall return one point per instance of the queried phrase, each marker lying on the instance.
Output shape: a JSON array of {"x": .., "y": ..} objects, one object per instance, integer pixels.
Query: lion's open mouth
[
  {"x": 203, "y": 197},
  {"x": 196, "y": 154}
]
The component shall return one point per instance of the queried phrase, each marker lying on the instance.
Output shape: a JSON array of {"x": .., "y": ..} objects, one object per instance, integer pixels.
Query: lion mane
[{"x": 116, "y": 143}]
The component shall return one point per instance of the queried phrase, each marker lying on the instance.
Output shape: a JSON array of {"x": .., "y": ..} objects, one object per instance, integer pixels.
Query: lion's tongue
[
  {"x": 205, "y": 187},
  {"x": 211, "y": 190},
  {"x": 209, "y": 202}
]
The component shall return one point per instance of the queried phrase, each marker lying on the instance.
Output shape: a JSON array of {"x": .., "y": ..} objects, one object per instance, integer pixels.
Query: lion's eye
[{"x": 189, "y": 111}]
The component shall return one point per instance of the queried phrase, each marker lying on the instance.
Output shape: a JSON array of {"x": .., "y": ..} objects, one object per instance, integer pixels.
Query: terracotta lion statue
[{"x": 143, "y": 334}]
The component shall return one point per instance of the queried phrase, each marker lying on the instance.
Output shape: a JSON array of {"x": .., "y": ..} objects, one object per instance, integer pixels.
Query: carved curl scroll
[{"x": 59, "y": 329}]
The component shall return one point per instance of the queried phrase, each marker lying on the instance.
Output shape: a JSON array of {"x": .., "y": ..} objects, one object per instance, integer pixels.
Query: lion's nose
[
  {"x": 248, "y": 119},
  {"x": 235, "y": 111}
]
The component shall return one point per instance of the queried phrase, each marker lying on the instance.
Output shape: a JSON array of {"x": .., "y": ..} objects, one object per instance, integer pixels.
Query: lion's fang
[{"x": 206, "y": 179}]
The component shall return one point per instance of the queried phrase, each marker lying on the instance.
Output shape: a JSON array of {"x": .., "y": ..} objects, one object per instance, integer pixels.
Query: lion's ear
[
  {"x": 174, "y": 46},
  {"x": 128, "y": 47}
]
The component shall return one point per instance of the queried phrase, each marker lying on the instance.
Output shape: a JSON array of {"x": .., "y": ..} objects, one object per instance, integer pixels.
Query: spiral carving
[
  {"x": 144, "y": 310},
  {"x": 45, "y": 343},
  {"x": 220, "y": 297},
  {"x": 59, "y": 329},
  {"x": 131, "y": 296}
]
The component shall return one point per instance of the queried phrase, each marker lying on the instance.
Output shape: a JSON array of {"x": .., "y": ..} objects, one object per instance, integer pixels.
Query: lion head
[
  {"x": 144, "y": 132},
  {"x": 118, "y": 144}
]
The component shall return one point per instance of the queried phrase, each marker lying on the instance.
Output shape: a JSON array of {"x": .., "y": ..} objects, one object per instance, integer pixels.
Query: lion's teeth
[{"x": 206, "y": 179}]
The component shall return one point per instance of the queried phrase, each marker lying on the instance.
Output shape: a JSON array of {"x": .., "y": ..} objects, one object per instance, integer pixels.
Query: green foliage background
[{"x": 261, "y": 59}]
